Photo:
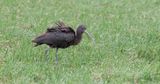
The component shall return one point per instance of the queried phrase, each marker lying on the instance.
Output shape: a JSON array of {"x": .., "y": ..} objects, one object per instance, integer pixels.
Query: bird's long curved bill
[{"x": 90, "y": 36}]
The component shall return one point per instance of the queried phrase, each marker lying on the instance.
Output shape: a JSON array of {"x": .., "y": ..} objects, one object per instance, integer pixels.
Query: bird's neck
[{"x": 78, "y": 38}]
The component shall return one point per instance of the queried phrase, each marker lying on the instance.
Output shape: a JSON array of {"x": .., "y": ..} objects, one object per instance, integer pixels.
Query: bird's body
[
  {"x": 60, "y": 36},
  {"x": 56, "y": 39}
]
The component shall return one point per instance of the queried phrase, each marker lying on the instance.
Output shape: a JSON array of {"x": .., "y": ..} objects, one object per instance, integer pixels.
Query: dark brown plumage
[{"x": 60, "y": 36}]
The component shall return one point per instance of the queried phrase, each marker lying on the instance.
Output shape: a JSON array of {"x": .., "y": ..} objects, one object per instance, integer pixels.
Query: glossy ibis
[{"x": 61, "y": 36}]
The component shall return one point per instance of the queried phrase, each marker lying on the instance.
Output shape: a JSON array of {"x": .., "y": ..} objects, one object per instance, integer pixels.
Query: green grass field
[{"x": 127, "y": 49}]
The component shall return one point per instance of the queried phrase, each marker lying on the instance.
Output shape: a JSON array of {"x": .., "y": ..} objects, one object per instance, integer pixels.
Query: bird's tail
[
  {"x": 36, "y": 43},
  {"x": 38, "y": 40}
]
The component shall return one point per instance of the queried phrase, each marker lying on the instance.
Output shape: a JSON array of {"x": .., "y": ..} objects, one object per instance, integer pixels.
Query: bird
[{"x": 60, "y": 36}]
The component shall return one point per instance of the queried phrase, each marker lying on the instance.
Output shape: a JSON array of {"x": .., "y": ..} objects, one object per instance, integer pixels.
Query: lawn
[{"x": 127, "y": 49}]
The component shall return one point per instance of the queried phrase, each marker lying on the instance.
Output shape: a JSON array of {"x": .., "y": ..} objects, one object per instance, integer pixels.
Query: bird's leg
[
  {"x": 47, "y": 53},
  {"x": 56, "y": 55}
]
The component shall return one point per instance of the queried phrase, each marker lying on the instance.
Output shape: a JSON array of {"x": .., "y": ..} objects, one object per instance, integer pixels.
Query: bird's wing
[
  {"x": 60, "y": 24},
  {"x": 61, "y": 29},
  {"x": 52, "y": 29}
]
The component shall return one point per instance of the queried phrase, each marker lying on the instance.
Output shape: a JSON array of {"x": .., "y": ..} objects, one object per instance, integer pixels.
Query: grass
[{"x": 127, "y": 49}]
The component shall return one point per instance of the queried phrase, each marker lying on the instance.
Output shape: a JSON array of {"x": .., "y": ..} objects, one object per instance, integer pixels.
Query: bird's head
[{"x": 81, "y": 29}]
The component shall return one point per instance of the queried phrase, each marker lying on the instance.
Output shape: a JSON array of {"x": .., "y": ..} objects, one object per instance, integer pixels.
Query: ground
[{"x": 127, "y": 49}]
